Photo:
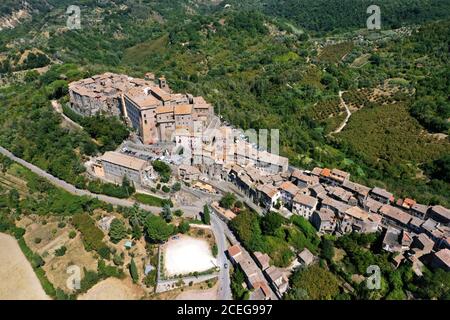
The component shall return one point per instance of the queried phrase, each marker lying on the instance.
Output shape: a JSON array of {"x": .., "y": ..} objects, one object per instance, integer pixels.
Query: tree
[
  {"x": 215, "y": 250},
  {"x": 136, "y": 231},
  {"x": 246, "y": 226},
  {"x": 271, "y": 222},
  {"x": 435, "y": 285},
  {"x": 117, "y": 231},
  {"x": 61, "y": 251},
  {"x": 312, "y": 283},
  {"x": 183, "y": 227},
  {"x": 327, "y": 249},
  {"x": 128, "y": 186},
  {"x": 133, "y": 271},
  {"x": 176, "y": 187},
  {"x": 178, "y": 212},
  {"x": 157, "y": 229},
  {"x": 237, "y": 279},
  {"x": 13, "y": 198},
  {"x": 206, "y": 217},
  {"x": 163, "y": 170},
  {"x": 150, "y": 278},
  {"x": 227, "y": 200},
  {"x": 166, "y": 213}
]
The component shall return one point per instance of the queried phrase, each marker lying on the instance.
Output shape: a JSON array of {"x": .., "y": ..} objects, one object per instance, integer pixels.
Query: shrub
[
  {"x": 104, "y": 252},
  {"x": 61, "y": 251},
  {"x": 215, "y": 250},
  {"x": 61, "y": 225},
  {"x": 183, "y": 227},
  {"x": 92, "y": 236},
  {"x": 133, "y": 271},
  {"x": 117, "y": 231}
]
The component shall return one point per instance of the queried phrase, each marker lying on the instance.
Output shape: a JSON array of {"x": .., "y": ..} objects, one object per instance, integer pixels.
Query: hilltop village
[{"x": 183, "y": 131}]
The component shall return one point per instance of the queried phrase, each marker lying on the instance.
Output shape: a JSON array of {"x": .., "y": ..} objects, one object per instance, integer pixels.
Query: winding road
[
  {"x": 224, "y": 291},
  {"x": 72, "y": 189},
  {"x": 218, "y": 228}
]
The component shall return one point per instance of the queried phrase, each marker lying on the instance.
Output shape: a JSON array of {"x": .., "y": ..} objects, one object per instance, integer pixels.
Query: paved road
[
  {"x": 80, "y": 192},
  {"x": 226, "y": 232},
  {"x": 217, "y": 225}
]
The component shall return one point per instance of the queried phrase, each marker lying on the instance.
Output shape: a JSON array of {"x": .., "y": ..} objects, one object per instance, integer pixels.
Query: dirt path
[
  {"x": 342, "y": 126},
  {"x": 17, "y": 278},
  {"x": 70, "y": 123}
]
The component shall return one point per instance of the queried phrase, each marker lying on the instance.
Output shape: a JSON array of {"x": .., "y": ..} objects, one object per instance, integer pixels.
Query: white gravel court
[{"x": 187, "y": 254}]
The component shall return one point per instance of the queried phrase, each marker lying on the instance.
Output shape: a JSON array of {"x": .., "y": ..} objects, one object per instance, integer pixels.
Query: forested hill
[
  {"x": 329, "y": 15},
  {"x": 259, "y": 70}
]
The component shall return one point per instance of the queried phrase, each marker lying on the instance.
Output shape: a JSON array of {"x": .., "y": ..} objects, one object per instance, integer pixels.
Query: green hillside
[{"x": 262, "y": 67}]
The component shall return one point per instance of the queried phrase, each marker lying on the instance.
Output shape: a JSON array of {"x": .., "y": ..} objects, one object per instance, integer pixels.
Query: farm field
[
  {"x": 17, "y": 278},
  {"x": 114, "y": 289}
]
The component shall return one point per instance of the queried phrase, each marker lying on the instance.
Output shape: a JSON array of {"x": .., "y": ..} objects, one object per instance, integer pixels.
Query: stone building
[{"x": 115, "y": 166}]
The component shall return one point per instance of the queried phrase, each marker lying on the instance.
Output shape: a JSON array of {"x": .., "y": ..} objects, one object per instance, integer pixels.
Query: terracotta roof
[
  {"x": 268, "y": 190},
  {"x": 164, "y": 109},
  {"x": 425, "y": 240},
  {"x": 289, "y": 187},
  {"x": 263, "y": 259},
  {"x": 160, "y": 94},
  {"x": 124, "y": 160},
  {"x": 326, "y": 214},
  {"x": 395, "y": 214},
  {"x": 306, "y": 256},
  {"x": 441, "y": 211},
  {"x": 310, "y": 180},
  {"x": 444, "y": 256},
  {"x": 372, "y": 204},
  {"x": 382, "y": 193},
  {"x": 356, "y": 187},
  {"x": 233, "y": 251},
  {"x": 264, "y": 288},
  {"x": 316, "y": 171},
  {"x": 305, "y": 200},
  {"x": 408, "y": 202},
  {"x": 339, "y": 175},
  {"x": 335, "y": 204},
  {"x": 421, "y": 208},
  {"x": 357, "y": 213},
  {"x": 325, "y": 172},
  {"x": 183, "y": 109}
]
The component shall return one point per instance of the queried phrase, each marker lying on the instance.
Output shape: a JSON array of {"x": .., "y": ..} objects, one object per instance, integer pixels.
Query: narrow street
[{"x": 224, "y": 291}]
